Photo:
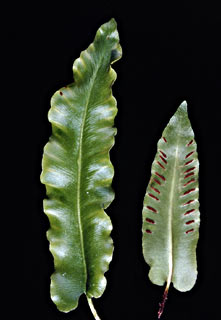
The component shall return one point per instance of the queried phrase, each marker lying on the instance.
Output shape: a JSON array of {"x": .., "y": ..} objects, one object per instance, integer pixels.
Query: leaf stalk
[
  {"x": 93, "y": 310},
  {"x": 164, "y": 299}
]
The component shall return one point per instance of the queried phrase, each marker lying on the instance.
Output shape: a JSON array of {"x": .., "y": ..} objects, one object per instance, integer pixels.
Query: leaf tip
[
  {"x": 111, "y": 24},
  {"x": 184, "y": 105},
  {"x": 112, "y": 20}
]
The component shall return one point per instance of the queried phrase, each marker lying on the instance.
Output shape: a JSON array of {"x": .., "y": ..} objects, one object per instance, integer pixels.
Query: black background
[{"x": 171, "y": 53}]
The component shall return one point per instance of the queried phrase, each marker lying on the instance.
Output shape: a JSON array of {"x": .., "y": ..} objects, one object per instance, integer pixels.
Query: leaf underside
[
  {"x": 77, "y": 172},
  {"x": 171, "y": 207}
]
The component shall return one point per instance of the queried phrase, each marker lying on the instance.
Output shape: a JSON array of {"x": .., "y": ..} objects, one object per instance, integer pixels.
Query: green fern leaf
[
  {"x": 77, "y": 172},
  {"x": 171, "y": 207}
]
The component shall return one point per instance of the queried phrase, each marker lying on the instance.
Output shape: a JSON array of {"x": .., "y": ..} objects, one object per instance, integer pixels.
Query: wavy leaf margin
[{"x": 77, "y": 173}]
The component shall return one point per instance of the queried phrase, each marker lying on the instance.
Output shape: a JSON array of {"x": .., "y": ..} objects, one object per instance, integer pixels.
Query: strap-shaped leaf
[
  {"x": 78, "y": 173},
  {"x": 171, "y": 207}
]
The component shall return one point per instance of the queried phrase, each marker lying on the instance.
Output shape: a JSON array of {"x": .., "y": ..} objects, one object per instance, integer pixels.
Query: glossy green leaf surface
[
  {"x": 77, "y": 172},
  {"x": 171, "y": 207}
]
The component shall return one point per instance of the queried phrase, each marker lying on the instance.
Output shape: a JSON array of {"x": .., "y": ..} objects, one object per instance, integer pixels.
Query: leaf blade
[
  {"x": 77, "y": 172},
  {"x": 171, "y": 207}
]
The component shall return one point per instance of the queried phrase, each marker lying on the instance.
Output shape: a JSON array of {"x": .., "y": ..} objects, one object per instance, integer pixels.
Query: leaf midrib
[
  {"x": 79, "y": 162},
  {"x": 170, "y": 216}
]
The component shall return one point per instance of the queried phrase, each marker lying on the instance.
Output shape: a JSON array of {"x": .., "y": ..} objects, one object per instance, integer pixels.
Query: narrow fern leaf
[
  {"x": 77, "y": 172},
  {"x": 171, "y": 207}
]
